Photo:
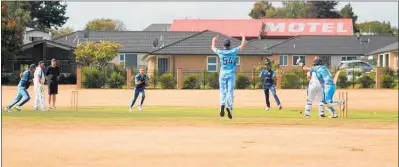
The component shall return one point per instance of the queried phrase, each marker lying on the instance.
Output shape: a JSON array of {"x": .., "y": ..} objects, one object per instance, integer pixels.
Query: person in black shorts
[{"x": 52, "y": 74}]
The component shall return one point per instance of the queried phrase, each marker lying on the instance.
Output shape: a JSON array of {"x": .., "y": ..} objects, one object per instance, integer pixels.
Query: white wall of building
[{"x": 28, "y": 35}]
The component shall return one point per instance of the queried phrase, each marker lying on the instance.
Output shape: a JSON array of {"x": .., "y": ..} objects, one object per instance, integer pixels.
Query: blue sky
[{"x": 138, "y": 15}]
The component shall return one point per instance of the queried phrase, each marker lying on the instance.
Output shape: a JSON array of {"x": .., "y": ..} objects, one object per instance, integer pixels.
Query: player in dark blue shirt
[
  {"x": 268, "y": 84},
  {"x": 140, "y": 80}
]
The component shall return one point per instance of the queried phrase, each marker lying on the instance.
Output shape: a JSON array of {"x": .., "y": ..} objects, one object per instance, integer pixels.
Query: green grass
[{"x": 250, "y": 116}]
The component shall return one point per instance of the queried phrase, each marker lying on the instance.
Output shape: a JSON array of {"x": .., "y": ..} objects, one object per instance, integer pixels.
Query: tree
[
  {"x": 377, "y": 28},
  {"x": 47, "y": 14},
  {"x": 323, "y": 9},
  {"x": 61, "y": 31},
  {"x": 97, "y": 54},
  {"x": 261, "y": 9},
  {"x": 347, "y": 12},
  {"x": 14, "y": 16},
  {"x": 105, "y": 25},
  {"x": 294, "y": 9}
]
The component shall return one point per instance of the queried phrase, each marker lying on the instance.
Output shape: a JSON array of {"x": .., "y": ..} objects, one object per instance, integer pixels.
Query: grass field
[{"x": 194, "y": 137}]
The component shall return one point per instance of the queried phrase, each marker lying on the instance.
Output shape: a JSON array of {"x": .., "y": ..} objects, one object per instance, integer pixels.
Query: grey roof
[
  {"x": 200, "y": 44},
  {"x": 387, "y": 48},
  {"x": 158, "y": 27},
  {"x": 331, "y": 45},
  {"x": 32, "y": 44},
  {"x": 266, "y": 43},
  {"x": 132, "y": 41}
]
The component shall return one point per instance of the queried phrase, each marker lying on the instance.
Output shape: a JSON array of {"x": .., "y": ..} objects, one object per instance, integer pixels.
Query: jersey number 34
[{"x": 227, "y": 60}]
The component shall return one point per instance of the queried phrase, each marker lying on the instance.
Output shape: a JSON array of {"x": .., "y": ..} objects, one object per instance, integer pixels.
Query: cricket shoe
[
  {"x": 334, "y": 116},
  {"x": 130, "y": 109},
  {"x": 267, "y": 109},
  {"x": 140, "y": 108},
  {"x": 35, "y": 109},
  {"x": 229, "y": 111},
  {"x": 322, "y": 115},
  {"x": 222, "y": 111},
  {"x": 17, "y": 108},
  {"x": 280, "y": 107},
  {"x": 8, "y": 109}
]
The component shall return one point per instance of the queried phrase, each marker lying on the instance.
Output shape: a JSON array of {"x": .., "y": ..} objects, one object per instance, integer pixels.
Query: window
[
  {"x": 121, "y": 57},
  {"x": 283, "y": 60},
  {"x": 238, "y": 61},
  {"x": 296, "y": 57},
  {"x": 386, "y": 60},
  {"x": 212, "y": 64},
  {"x": 347, "y": 58},
  {"x": 381, "y": 60},
  {"x": 35, "y": 38}
]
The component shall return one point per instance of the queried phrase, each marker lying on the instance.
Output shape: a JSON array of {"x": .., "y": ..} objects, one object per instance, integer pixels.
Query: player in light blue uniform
[
  {"x": 23, "y": 86},
  {"x": 227, "y": 59},
  {"x": 325, "y": 78}
]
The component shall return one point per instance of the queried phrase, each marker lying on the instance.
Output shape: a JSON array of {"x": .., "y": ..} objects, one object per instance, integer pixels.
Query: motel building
[{"x": 185, "y": 44}]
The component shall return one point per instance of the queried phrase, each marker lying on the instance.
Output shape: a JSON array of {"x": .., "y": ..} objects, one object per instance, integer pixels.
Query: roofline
[
  {"x": 376, "y": 53},
  {"x": 45, "y": 41}
]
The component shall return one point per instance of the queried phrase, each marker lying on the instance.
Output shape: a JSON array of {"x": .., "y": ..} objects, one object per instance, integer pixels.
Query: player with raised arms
[{"x": 227, "y": 57}]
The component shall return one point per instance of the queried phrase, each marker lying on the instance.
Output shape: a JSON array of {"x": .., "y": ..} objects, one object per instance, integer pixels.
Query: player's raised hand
[{"x": 215, "y": 38}]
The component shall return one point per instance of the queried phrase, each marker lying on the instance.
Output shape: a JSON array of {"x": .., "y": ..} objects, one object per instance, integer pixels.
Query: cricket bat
[{"x": 336, "y": 76}]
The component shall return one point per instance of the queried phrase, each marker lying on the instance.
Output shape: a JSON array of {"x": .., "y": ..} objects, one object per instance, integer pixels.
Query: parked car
[{"x": 355, "y": 65}]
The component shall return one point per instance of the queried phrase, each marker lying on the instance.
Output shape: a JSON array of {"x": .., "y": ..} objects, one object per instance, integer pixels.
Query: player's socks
[
  {"x": 229, "y": 112},
  {"x": 222, "y": 111}
]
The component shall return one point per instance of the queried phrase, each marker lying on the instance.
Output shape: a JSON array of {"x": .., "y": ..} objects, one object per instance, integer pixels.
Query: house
[
  {"x": 135, "y": 44},
  {"x": 331, "y": 49},
  {"x": 387, "y": 56},
  {"x": 194, "y": 54},
  {"x": 31, "y": 35}
]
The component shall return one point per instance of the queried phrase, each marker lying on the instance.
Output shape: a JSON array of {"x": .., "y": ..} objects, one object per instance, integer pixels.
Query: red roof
[
  {"x": 266, "y": 27},
  {"x": 231, "y": 27}
]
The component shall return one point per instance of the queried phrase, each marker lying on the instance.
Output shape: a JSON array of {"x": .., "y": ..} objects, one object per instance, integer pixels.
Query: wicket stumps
[
  {"x": 74, "y": 100},
  {"x": 343, "y": 96}
]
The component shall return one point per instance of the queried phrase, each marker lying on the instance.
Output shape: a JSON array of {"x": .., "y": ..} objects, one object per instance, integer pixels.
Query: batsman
[{"x": 38, "y": 82}]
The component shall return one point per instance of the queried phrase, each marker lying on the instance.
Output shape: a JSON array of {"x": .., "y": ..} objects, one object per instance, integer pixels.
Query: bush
[
  {"x": 92, "y": 78},
  {"x": 256, "y": 82},
  {"x": 342, "y": 81},
  {"x": 12, "y": 79},
  {"x": 387, "y": 81},
  {"x": 191, "y": 82},
  {"x": 67, "y": 79},
  {"x": 213, "y": 80},
  {"x": 365, "y": 81},
  {"x": 388, "y": 71},
  {"x": 166, "y": 81},
  {"x": 116, "y": 80},
  {"x": 290, "y": 81},
  {"x": 242, "y": 81}
]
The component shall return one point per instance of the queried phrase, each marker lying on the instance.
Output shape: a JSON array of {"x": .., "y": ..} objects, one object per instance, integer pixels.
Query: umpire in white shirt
[{"x": 38, "y": 81}]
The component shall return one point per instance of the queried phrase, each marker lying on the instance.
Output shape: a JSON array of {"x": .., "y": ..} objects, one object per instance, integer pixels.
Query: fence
[{"x": 116, "y": 77}]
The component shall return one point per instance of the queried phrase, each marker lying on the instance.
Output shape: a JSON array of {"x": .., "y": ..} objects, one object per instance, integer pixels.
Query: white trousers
[{"x": 39, "y": 96}]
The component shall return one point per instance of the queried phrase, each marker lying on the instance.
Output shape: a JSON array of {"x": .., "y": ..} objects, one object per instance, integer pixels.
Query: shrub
[
  {"x": 290, "y": 81},
  {"x": 67, "y": 79},
  {"x": 12, "y": 79},
  {"x": 166, "y": 81},
  {"x": 388, "y": 71},
  {"x": 213, "y": 80},
  {"x": 92, "y": 78},
  {"x": 191, "y": 82},
  {"x": 256, "y": 82},
  {"x": 242, "y": 81},
  {"x": 365, "y": 81},
  {"x": 342, "y": 81},
  {"x": 116, "y": 80},
  {"x": 387, "y": 81}
]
